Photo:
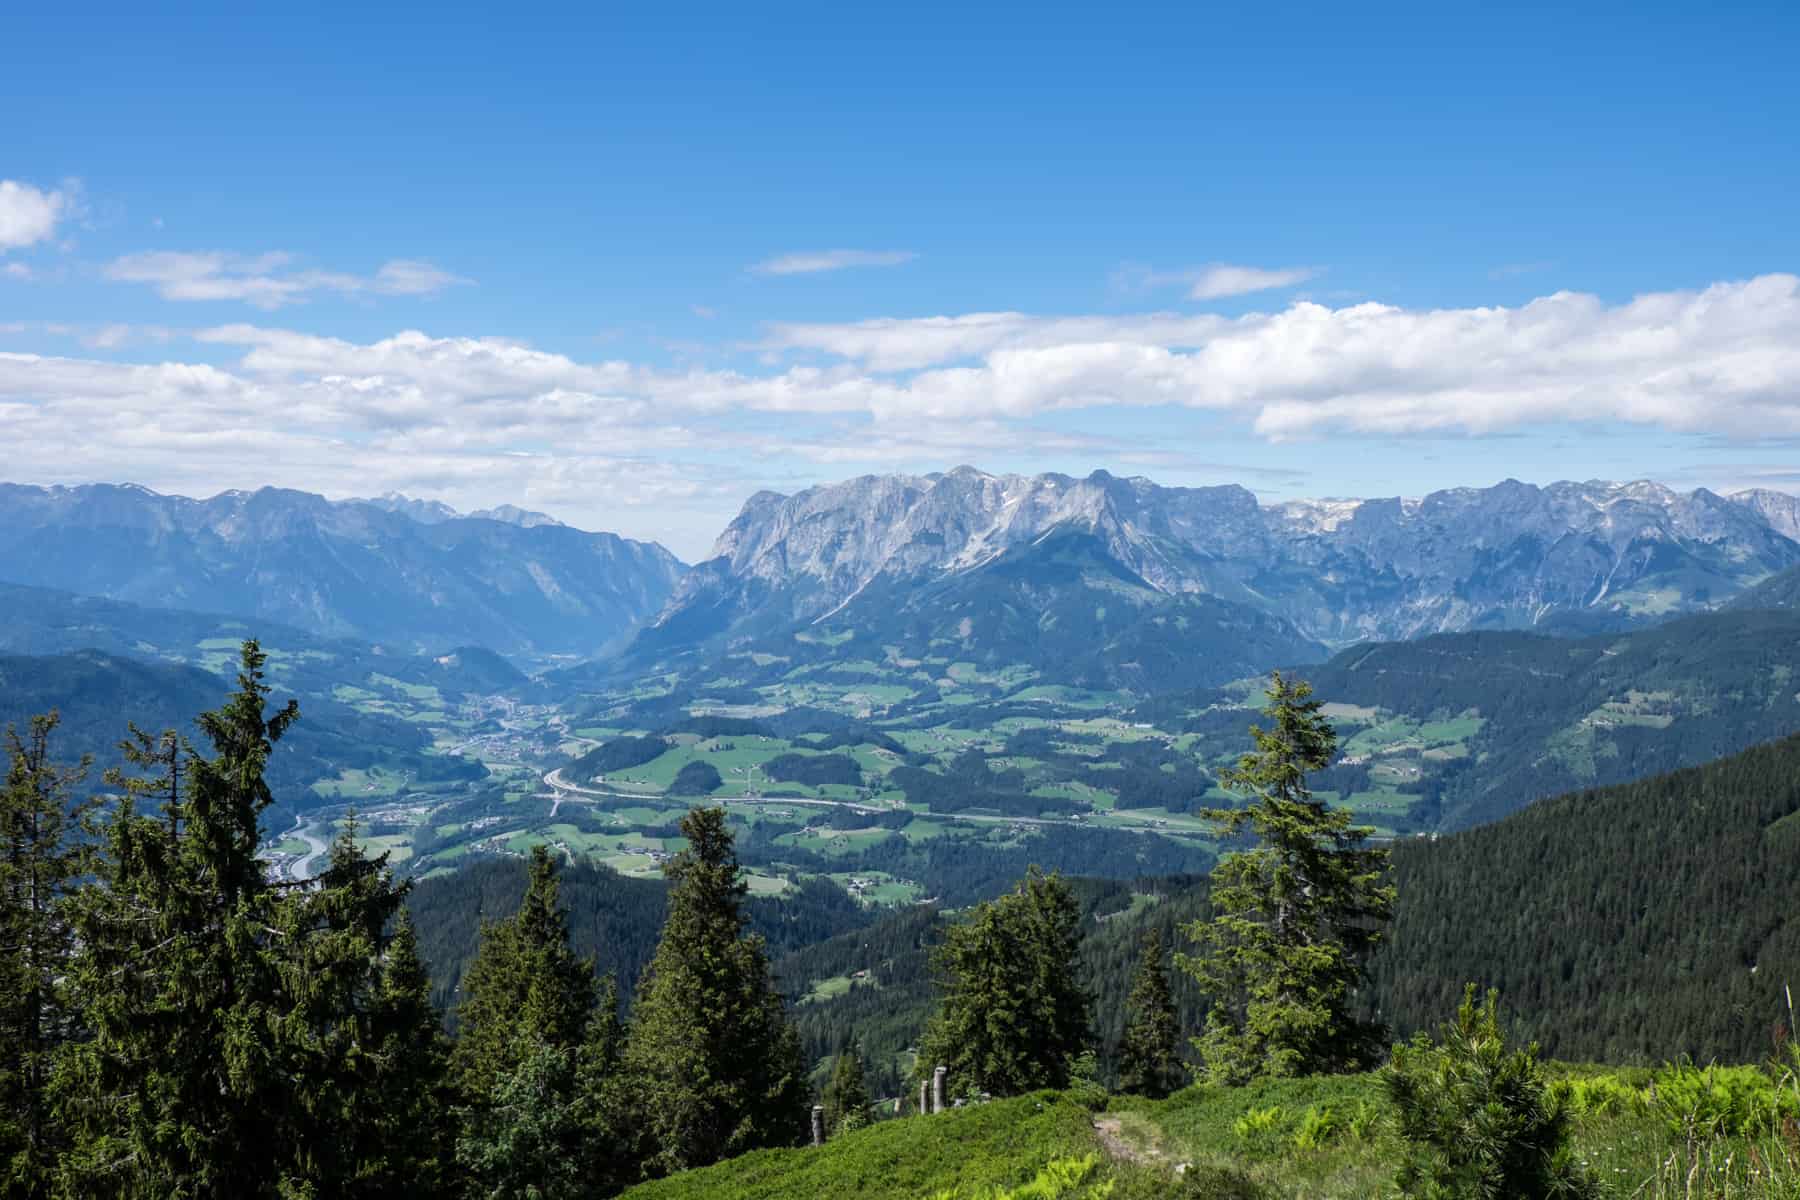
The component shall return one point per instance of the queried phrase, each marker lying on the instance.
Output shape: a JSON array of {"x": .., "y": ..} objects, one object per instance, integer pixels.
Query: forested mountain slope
[
  {"x": 1630, "y": 923},
  {"x": 44, "y": 621},
  {"x": 1466, "y": 728},
  {"x": 1777, "y": 591},
  {"x": 96, "y": 695},
  {"x": 1561, "y": 714}
]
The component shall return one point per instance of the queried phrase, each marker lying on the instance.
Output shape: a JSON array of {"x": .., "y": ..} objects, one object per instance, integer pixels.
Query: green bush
[
  {"x": 1718, "y": 1101},
  {"x": 1256, "y": 1122},
  {"x": 1477, "y": 1119},
  {"x": 1597, "y": 1096},
  {"x": 1060, "y": 1179},
  {"x": 965, "y": 1150},
  {"x": 1318, "y": 1126}
]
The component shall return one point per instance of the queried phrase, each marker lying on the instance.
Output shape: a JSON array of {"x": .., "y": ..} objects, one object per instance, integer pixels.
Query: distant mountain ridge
[
  {"x": 399, "y": 572},
  {"x": 434, "y": 512},
  {"x": 1509, "y": 556}
]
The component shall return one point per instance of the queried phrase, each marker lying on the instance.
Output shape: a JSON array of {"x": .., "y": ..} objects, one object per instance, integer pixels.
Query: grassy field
[{"x": 1327, "y": 1138}]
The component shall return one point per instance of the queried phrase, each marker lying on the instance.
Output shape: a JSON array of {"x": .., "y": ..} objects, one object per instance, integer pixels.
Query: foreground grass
[
  {"x": 969, "y": 1149},
  {"x": 1327, "y": 1138}
]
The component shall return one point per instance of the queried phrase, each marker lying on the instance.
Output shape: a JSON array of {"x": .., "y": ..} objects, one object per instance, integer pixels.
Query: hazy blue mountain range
[
  {"x": 433, "y": 512},
  {"x": 43, "y": 621},
  {"x": 384, "y": 572},
  {"x": 1512, "y": 556},
  {"x": 97, "y": 693}
]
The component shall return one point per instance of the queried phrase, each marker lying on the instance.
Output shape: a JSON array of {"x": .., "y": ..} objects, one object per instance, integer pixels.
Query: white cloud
[
  {"x": 16, "y": 271},
  {"x": 1220, "y": 280},
  {"x": 1723, "y": 359},
  {"x": 810, "y": 262},
  {"x": 441, "y": 415},
  {"x": 1215, "y": 281},
  {"x": 266, "y": 280},
  {"x": 903, "y": 344},
  {"x": 29, "y": 215}
]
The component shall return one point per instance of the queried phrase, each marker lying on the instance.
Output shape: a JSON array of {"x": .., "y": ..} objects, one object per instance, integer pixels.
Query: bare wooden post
[
  {"x": 937, "y": 1088},
  {"x": 818, "y": 1116}
]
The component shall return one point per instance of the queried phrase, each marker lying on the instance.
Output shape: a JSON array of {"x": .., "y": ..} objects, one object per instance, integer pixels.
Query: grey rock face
[{"x": 1509, "y": 556}]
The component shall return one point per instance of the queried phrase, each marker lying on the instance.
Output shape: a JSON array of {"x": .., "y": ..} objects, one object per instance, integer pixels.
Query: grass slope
[
  {"x": 1322, "y": 1138},
  {"x": 1000, "y": 1144}
]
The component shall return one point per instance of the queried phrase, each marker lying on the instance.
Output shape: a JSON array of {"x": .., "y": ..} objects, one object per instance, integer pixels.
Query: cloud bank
[{"x": 478, "y": 420}]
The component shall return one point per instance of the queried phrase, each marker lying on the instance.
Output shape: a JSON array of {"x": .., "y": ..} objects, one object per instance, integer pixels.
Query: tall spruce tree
[
  {"x": 524, "y": 982},
  {"x": 1149, "y": 1054},
  {"x": 846, "y": 1096},
  {"x": 178, "y": 973},
  {"x": 354, "y": 1034},
  {"x": 714, "y": 1067},
  {"x": 240, "y": 1033},
  {"x": 526, "y": 1011},
  {"x": 411, "y": 1101},
  {"x": 1013, "y": 1016},
  {"x": 40, "y": 861},
  {"x": 1295, "y": 917}
]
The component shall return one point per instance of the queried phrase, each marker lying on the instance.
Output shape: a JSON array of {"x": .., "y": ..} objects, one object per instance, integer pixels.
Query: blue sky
[{"x": 629, "y": 267}]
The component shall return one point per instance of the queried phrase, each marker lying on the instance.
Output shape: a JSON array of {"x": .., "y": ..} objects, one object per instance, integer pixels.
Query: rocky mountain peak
[{"x": 1342, "y": 570}]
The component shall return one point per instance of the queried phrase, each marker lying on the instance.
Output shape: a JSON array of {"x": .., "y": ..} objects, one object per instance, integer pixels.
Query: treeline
[
  {"x": 612, "y": 919},
  {"x": 175, "y": 1023},
  {"x": 891, "y": 994}
]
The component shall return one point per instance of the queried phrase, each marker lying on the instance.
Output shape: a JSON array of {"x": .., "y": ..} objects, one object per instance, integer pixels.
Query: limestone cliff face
[{"x": 1509, "y": 556}]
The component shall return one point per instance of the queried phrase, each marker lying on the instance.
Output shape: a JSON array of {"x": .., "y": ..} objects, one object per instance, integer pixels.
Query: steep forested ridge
[{"x": 1638, "y": 922}]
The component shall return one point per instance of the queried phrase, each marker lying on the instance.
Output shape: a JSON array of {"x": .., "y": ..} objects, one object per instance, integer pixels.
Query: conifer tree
[
  {"x": 245, "y": 1038},
  {"x": 40, "y": 860},
  {"x": 603, "y": 1100},
  {"x": 178, "y": 974},
  {"x": 714, "y": 1067},
  {"x": 1013, "y": 1016},
  {"x": 526, "y": 1012},
  {"x": 846, "y": 1097},
  {"x": 354, "y": 1034},
  {"x": 525, "y": 982},
  {"x": 1295, "y": 917},
  {"x": 1149, "y": 1058},
  {"x": 412, "y": 1105},
  {"x": 1476, "y": 1118}
]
